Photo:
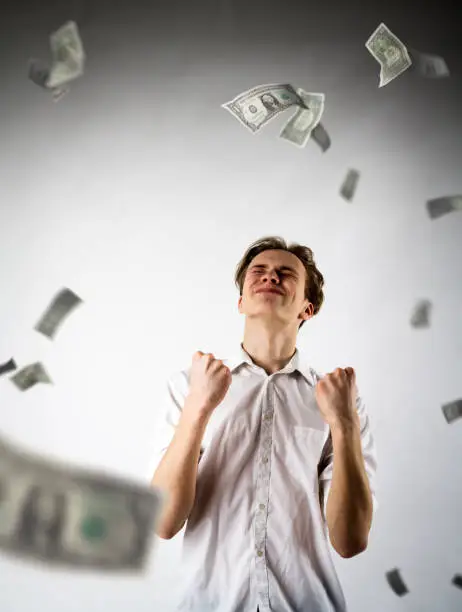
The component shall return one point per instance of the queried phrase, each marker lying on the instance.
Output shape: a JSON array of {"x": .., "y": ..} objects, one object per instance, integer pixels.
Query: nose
[{"x": 271, "y": 276}]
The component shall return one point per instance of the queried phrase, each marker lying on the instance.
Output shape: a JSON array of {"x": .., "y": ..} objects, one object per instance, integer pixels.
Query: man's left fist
[{"x": 336, "y": 397}]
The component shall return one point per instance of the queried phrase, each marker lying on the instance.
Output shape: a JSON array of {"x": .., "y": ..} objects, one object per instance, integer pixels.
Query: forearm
[
  {"x": 177, "y": 472},
  {"x": 349, "y": 506}
]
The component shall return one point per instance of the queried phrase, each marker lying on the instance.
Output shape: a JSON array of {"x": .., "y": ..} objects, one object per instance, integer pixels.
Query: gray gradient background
[{"x": 141, "y": 194}]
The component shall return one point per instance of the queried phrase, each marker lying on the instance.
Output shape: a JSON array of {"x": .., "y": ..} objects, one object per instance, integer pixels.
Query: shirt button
[
  {"x": 262, "y": 506},
  {"x": 265, "y": 459},
  {"x": 268, "y": 417},
  {"x": 260, "y": 553}
]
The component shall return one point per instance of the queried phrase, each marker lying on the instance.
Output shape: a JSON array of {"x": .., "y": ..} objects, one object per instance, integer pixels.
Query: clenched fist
[
  {"x": 209, "y": 381},
  {"x": 336, "y": 397}
]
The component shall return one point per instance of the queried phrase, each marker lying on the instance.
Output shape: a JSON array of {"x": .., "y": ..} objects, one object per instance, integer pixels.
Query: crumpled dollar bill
[
  {"x": 8, "y": 366},
  {"x": 421, "y": 315},
  {"x": 390, "y": 52},
  {"x": 396, "y": 582},
  {"x": 349, "y": 185},
  {"x": 438, "y": 207},
  {"x": 30, "y": 376},
  {"x": 300, "y": 126},
  {"x": 255, "y": 107},
  {"x": 59, "y": 309},
  {"x": 68, "y": 62}
]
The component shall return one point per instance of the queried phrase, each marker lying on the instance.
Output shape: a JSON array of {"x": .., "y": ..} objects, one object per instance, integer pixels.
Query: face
[
  {"x": 285, "y": 274},
  {"x": 269, "y": 101}
]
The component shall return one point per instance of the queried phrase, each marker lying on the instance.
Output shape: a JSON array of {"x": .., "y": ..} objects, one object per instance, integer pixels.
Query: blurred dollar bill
[
  {"x": 60, "y": 308},
  {"x": 256, "y": 107},
  {"x": 421, "y": 314},
  {"x": 31, "y": 375},
  {"x": 396, "y": 582},
  {"x": 442, "y": 206},
  {"x": 8, "y": 366},
  {"x": 299, "y": 127},
  {"x": 457, "y": 580},
  {"x": 428, "y": 66},
  {"x": 452, "y": 411},
  {"x": 71, "y": 517},
  {"x": 321, "y": 137},
  {"x": 348, "y": 188},
  {"x": 68, "y": 56},
  {"x": 390, "y": 52},
  {"x": 38, "y": 74}
]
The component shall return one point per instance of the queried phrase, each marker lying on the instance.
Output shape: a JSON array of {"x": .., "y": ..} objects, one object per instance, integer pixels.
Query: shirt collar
[{"x": 298, "y": 362}]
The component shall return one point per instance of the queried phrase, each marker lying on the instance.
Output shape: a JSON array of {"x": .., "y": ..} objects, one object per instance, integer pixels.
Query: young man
[{"x": 264, "y": 458}]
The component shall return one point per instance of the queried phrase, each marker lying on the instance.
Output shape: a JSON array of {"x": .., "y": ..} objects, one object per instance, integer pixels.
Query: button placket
[{"x": 261, "y": 500}]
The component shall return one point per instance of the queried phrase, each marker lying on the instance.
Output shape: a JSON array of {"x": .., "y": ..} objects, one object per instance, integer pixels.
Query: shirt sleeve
[
  {"x": 172, "y": 404},
  {"x": 325, "y": 468}
]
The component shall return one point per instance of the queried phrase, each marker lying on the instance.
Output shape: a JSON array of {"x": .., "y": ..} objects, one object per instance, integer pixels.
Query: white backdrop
[{"x": 140, "y": 193}]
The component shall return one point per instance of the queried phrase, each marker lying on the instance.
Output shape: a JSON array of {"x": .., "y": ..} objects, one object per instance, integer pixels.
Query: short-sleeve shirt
[{"x": 257, "y": 534}]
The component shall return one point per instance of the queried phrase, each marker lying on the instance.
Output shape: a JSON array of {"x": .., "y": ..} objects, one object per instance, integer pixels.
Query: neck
[{"x": 268, "y": 349}]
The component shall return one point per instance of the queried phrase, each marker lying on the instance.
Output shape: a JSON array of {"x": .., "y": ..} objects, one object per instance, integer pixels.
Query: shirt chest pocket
[{"x": 305, "y": 448}]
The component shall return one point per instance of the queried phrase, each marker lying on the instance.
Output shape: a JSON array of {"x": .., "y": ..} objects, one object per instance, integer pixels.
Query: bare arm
[
  {"x": 177, "y": 472},
  {"x": 349, "y": 505}
]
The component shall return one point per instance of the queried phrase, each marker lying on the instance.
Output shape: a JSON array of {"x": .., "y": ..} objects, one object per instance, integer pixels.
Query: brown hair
[{"x": 314, "y": 279}]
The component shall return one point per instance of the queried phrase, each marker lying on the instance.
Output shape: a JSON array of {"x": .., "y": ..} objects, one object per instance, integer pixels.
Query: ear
[
  {"x": 309, "y": 311},
  {"x": 239, "y": 304}
]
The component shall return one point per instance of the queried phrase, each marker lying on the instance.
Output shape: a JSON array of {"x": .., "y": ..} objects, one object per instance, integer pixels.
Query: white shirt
[{"x": 257, "y": 534}]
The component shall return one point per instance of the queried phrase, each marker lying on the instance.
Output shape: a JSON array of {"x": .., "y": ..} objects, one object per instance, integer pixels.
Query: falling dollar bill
[
  {"x": 68, "y": 55},
  {"x": 390, "y": 52},
  {"x": 428, "y": 66},
  {"x": 60, "y": 308},
  {"x": 396, "y": 582},
  {"x": 71, "y": 517},
  {"x": 348, "y": 188},
  {"x": 321, "y": 137},
  {"x": 457, "y": 580},
  {"x": 31, "y": 375},
  {"x": 256, "y": 107},
  {"x": 299, "y": 127},
  {"x": 38, "y": 74},
  {"x": 442, "y": 206},
  {"x": 452, "y": 411},
  {"x": 421, "y": 314},
  {"x": 8, "y": 366}
]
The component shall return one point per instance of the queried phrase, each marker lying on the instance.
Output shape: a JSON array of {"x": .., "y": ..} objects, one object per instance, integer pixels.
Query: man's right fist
[{"x": 209, "y": 381}]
